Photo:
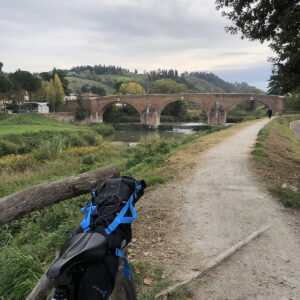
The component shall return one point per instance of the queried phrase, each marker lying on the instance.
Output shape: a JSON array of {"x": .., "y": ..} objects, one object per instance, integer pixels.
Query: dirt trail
[{"x": 216, "y": 207}]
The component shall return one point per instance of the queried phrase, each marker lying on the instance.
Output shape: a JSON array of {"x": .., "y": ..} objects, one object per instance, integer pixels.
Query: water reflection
[
  {"x": 134, "y": 136},
  {"x": 131, "y": 133}
]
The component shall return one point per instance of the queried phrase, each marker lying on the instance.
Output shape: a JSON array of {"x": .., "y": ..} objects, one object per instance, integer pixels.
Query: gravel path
[
  {"x": 224, "y": 204},
  {"x": 295, "y": 126}
]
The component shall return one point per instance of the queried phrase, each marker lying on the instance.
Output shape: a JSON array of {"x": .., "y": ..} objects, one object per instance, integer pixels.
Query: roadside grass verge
[{"x": 276, "y": 159}]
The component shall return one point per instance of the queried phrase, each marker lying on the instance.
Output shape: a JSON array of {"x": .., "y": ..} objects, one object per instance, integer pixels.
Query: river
[{"x": 135, "y": 132}]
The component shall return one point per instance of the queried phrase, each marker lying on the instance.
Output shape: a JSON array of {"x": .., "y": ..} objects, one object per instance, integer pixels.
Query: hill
[{"x": 110, "y": 78}]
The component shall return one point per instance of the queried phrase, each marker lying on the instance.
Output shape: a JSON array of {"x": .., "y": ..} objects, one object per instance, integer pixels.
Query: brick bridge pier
[{"x": 216, "y": 106}]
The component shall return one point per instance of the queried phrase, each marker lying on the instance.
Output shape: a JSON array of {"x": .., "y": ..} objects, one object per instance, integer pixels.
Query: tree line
[
  {"x": 15, "y": 86},
  {"x": 101, "y": 70}
]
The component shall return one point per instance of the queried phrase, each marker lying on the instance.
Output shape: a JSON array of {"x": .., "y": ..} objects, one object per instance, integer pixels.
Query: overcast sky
[{"x": 189, "y": 35}]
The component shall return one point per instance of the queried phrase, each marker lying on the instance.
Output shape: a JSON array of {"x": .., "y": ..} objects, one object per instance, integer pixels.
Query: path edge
[{"x": 215, "y": 261}]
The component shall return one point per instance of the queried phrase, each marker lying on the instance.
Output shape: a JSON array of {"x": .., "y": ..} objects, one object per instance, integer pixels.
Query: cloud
[{"x": 143, "y": 34}]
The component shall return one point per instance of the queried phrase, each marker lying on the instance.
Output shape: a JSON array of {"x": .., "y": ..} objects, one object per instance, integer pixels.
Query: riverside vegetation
[{"x": 58, "y": 150}]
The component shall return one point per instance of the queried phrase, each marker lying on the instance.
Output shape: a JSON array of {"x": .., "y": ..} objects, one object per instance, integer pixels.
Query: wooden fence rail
[{"x": 34, "y": 198}]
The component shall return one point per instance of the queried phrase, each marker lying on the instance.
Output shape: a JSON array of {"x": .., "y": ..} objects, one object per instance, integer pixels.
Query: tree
[
  {"x": 177, "y": 109},
  {"x": 34, "y": 84},
  {"x": 167, "y": 86},
  {"x": 277, "y": 22},
  {"x": 49, "y": 93},
  {"x": 98, "y": 90},
  {"x": 46, "y": 76},
  {"x": 131, "y": 88},
  {"x": 5, "y": 85},
  {"x": 58, "y": 93}
]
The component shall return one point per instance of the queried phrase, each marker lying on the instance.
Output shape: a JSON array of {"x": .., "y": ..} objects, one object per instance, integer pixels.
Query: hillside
[{"x": 111, "y": 77}]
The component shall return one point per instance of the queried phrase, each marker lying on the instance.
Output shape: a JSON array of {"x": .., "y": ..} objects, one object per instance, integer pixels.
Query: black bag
[
  {"x": 104, "y": 231},
  {"x": 109, "y": 199}
]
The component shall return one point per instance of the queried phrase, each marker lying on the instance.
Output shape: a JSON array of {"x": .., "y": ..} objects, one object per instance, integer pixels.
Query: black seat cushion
[{"x": 81, "y": 248}]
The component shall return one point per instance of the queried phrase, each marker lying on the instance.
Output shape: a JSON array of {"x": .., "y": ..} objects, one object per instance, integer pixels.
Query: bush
[
  {"x": 7, "y": 148},
  {"x": 16, "y": 162},
  {"x": 91, "y": 158},
  {"x": 92, "y": 138},
  {"x": 81, "y": 115},
  {"x": 49, "y": 150},
  {"x": 104, "y": 129},
  {"x": 74, "y": 140}
]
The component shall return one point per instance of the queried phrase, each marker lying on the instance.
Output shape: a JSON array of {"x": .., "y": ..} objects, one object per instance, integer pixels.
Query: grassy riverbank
[
  {"x": 28, "y": 245},
  {"x": 276, "y": 159}
]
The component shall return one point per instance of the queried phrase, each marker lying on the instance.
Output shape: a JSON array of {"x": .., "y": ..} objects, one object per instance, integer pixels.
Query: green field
[{"x": 32, "y": 122}]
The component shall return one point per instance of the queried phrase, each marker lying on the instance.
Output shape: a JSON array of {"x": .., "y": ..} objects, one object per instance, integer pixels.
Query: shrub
[
  {"x": 7, "y": 147},
  {"x": 16, "y": 162},
  {"x": 91, "y": 158},
  {"x": 104, "y": 129},
  {"x": 49, "y": 150},
  {"x": 92, "y": 138},
  {"x": 74, "y": 140},
  {"x": 81, "y": 115}
]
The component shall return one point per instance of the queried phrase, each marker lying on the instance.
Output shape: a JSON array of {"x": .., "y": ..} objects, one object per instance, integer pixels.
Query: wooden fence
[{"x": 34, "y": 198}]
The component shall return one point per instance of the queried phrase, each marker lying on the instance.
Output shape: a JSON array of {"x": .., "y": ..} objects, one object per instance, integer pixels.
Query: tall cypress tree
[{"x": 59, "y": 95}]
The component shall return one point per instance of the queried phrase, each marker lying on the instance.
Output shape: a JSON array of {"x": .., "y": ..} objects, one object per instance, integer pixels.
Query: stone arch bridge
[{"x": 150, "y": 107}]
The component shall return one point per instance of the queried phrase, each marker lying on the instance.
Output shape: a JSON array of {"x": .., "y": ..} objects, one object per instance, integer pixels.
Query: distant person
[{"x": 270, "y": 113}]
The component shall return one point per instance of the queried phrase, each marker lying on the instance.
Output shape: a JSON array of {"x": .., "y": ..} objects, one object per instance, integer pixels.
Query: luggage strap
[
  {"x": 87, "y": 210},
  {"x": 126, "y": 264},
  {"x": 120, "y": 218}
]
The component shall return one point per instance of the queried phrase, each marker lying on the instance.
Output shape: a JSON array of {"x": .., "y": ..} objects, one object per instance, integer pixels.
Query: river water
[{"x": 133, "y": 133}]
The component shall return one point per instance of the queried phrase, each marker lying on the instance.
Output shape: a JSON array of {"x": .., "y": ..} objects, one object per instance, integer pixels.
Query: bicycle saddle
[{"x": 81, "y": 248}]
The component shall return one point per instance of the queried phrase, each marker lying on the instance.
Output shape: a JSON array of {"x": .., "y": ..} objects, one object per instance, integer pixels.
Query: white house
[{"x": 71, "y": 97}]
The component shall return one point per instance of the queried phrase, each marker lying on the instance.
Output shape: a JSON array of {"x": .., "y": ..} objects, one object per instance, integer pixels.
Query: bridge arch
[
  {"x": 181, "y": 98},
  {"x": 196, "y": 105},
  {"x": 123, "y": 112},
  {"x": 255, "y": 99}
]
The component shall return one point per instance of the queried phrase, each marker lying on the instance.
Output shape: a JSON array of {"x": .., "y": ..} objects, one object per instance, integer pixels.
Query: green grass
[
  {"x": 38, "y": 235},
  {"x": 32, "y": 122},
  {"x": 288, "y": 197},
  {"x": 276, "y": 157},
  {"x": 140, "y": 272}
]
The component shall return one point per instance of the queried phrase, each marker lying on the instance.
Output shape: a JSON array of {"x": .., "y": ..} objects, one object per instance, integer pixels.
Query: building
[
  {"x": 71, "y": 97},
  {"x": 42, "y": 107}
]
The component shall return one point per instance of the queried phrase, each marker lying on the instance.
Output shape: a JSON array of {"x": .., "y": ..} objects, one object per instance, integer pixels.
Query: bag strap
[
  {"x": 120, "y": 218},
  {"x": 87, "y": 210},
  {"x": 126, "y": 264}
]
